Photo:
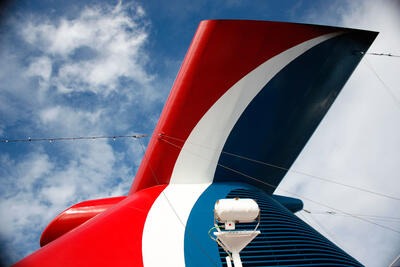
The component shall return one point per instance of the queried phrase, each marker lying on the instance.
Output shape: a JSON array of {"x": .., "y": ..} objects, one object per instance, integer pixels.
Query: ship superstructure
[{"x": 246, "y": 100}]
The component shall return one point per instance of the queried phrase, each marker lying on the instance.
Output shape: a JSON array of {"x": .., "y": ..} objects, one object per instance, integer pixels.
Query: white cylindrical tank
[{"x": 243, "y": 210}]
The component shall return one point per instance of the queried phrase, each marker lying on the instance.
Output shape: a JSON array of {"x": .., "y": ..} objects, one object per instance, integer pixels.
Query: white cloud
[
  {"x": 70, "y": 87},
  {"x": 358, "y": 141},
  {"x": 38, "y": 189},
  {"x": 66, "y": 121},
  {"x": 108, "y": 39},
  {"x": 59, "y": 195},
  {"x": 40, "y": 67},
  {"x": 87, "y": 56},
  {"x": 19, "y": 201},
  {"x": 50, "y": 114}
]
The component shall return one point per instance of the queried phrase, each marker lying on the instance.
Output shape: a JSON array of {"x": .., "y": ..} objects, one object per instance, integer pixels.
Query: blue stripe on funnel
[
  {"x": 200, "y": 249},
  {"x": 285, "y": 240},
  {"x": 277, "y": 124}
]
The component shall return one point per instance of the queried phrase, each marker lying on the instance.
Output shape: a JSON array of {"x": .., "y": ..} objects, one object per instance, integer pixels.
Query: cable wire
[
  {"x": 380, "y": 54},
  {"x": 173, "y": 209},
  {"x": 388, "y": 89},
  {"x": 290, "y": 170},
  {"x": 217, "y": 240},
  {"x": 372, "y": 217},
  {"x": 328, "y": 233},
  {"x": 295, "y": 194},
  {"x": 53, "y": 139}
]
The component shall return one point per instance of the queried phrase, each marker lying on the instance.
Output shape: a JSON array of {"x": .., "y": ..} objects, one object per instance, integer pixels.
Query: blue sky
[{"x": 81, "y": 68}]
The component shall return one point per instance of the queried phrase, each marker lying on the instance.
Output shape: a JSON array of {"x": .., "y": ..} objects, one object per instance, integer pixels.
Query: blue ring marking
[
  {"x": 284, "y": 238},
  {"x": 200, "y": 249},
  {"x": 279, "y": 121}
]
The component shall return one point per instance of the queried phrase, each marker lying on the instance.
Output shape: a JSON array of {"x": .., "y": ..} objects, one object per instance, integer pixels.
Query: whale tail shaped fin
[{"x": 248, "y": 92}]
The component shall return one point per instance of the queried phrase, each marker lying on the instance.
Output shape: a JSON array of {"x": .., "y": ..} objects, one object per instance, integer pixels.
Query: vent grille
[{"x": 285, "y": 240}]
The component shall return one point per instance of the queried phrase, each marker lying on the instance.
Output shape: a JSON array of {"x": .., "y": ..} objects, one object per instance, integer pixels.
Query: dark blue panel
[
  {"x": 285, "y": 240},
  {"x": 292, "y": 204},
  {"x": 279, "y": 121},
  {"x": 200, "y": 249}
]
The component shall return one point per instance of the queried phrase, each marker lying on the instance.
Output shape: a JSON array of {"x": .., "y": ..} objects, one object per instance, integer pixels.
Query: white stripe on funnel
[
  {"x": 164, "y": 230},
  {"x": 199, "y": 156}
]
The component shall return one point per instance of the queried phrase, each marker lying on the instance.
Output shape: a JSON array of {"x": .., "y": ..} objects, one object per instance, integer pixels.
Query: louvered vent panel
[{"x": 285, "y": 240}]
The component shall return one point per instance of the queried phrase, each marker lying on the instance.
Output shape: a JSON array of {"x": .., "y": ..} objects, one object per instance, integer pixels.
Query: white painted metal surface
[
  {"x": 396, "y": 262},
  {"x": 228, "y": 261},
  {"x": 199, "y": 156},
  {"x": 164, "y": 229},
  {"x": 243, "y": 210},
  {"x": 235, "y": 241},
  {"x": 196, "y": 164},
  {"x": 236, "y": 260}
]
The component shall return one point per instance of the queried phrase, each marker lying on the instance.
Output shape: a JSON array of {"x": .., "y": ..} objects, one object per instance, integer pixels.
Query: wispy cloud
[
  {"x": 86, "y": 74},
  {"x": 91, "y": 51},
  {"x": 81, "y": 75}
]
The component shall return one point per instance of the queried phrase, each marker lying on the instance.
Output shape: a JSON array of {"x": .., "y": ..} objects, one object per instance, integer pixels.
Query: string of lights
[
  {"x": 372, "y": 217},
  {"x": 377, "y": 54},
  {"x": 283, "y": 190},
  {"x": 334, "y": 181},
  {"x": 53, "y": 139},
  {"x": 381, "y": 54}
]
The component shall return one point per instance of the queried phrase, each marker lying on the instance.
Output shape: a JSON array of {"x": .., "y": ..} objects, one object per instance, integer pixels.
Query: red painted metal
[
  {"x": 221, "y": 53},
  {"x": 75, "y": 216},
  {"x": 113, "y": 238}
]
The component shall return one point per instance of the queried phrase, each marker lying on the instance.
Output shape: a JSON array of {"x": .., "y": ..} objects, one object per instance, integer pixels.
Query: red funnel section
[{"x": 75, "y": 216}]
